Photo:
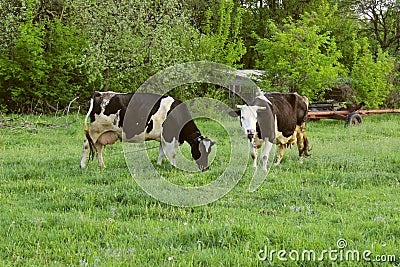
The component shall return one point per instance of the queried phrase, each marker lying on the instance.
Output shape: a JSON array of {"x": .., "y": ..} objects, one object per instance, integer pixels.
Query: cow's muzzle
[
  {"x": 205, "y": 169},
  {"x": 250, "y": 137},
  {"x": 250, "y": 134}
]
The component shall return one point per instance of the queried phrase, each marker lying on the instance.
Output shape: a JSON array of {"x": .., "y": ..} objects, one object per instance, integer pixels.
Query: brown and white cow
[
  {"x": 140, "y": 117},
  {"x": 275, "y": 118}
]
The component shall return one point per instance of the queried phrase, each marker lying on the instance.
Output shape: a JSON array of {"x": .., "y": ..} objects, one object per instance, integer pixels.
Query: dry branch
[{"x": 25, "y": 124}]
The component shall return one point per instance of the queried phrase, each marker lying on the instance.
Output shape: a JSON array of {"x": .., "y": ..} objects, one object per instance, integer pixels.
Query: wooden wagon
[{"x": 335, "y": 110}]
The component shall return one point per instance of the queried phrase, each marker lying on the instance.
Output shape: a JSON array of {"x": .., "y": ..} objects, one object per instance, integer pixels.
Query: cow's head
[
  {"x": 201, "y": 150},
  {"x": 248, "y": 119}
]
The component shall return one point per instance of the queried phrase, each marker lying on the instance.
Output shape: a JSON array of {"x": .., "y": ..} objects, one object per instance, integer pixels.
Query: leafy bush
[
  {"x": 300, "y": 57},
  {"x": 372, "y": 77},
  {"x": 41, "y": 64}
]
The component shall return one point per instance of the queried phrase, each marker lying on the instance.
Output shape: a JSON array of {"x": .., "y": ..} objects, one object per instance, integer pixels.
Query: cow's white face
[
  {"x": 248, "y": 119},
  {"x": 204, "y": 150}
]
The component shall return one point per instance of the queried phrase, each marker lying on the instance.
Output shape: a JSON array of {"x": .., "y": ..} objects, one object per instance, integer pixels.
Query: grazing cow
[
  {"x": 149, "y": 117},
  {"x": 275, "y": 118}
]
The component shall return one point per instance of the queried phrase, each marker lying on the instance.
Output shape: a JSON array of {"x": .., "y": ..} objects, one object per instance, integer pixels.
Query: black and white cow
[
  {"x": 275, "y": 118},
  {"x": 148, "y": 117}
]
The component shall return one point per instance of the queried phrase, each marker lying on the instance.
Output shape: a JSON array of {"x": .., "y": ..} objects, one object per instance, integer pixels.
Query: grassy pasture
[{"x": 55, "y": 214}]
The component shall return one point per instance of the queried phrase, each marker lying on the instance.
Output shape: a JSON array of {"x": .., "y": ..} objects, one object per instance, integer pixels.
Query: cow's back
[
  {"x": 283, "y": 106},
  {"x": 290, "y": 109},
  {"x": 138, "y": 122}
]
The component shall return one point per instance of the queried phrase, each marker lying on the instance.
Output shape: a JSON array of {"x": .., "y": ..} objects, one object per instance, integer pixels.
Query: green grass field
[{"x": 55, "y": 214}]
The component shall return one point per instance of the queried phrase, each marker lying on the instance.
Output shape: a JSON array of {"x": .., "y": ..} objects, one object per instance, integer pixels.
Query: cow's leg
[
  {"x": 85, "y": 153},
  {"x": 99, "y": 149},
  {"x": 170, "y": 150},
  {"x": 253, "y": 153},
  {"x": 300, "y": 144},
  {"x": 280, "y": 154},
  {"x": 265, "y": 154},
  {"x": 302, "y": 141},
  {"x": 305, "y": 142},
  {"x": 160, "y": 154}
]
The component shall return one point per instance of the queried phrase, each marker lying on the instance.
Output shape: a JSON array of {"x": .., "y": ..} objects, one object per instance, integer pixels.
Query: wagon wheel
[{"x": 353, "y": 119}]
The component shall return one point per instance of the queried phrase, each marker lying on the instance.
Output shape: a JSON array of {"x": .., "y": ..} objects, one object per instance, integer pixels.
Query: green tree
[
  {"x": 64, "y": 51},
  {"x": 381, "y": 23},
  {"x": 39, "y": 60},
  {"x": 219, "y": 38},
  {"x": 372, "y": 78},
  {"x": 22, "y": 66},
  {"x": 258, "y": 13},
  {"x": 345, "y": 28},
  {"x": 131, "y": 40},
  {"x": 301, "y": 56}
]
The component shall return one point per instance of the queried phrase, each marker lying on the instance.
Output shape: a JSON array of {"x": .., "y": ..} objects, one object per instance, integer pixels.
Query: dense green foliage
[
  {"x": 55, "y": 214},
  {"x": 372, "y": 77},
  {"x": 301, "y": 57},
  {"x": 52, "y": 51}
]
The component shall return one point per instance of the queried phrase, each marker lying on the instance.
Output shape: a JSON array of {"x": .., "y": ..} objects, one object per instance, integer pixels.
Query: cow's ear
[
  {"x": 234, "y": 113},
  {"x": 211, "y": 141}
]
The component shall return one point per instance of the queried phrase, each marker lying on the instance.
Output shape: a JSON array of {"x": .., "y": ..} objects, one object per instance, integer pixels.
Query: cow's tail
[{"x": 87, "y": 134}]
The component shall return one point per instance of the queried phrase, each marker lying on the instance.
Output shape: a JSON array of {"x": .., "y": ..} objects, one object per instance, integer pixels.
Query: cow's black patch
[
  {"x": 149, "y": 126},
  {"x": 97, "y": 99},
  {"x": 290, "y": 110},
  {"x": 118, "y": 102},
  {"x": 179, "y": 124},
  {"x": 141, "y": 107},
  {"x": 149, "y": 121}
]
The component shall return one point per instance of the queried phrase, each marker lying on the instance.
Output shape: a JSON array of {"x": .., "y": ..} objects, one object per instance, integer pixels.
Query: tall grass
[{"x": 55, "y": 214}]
